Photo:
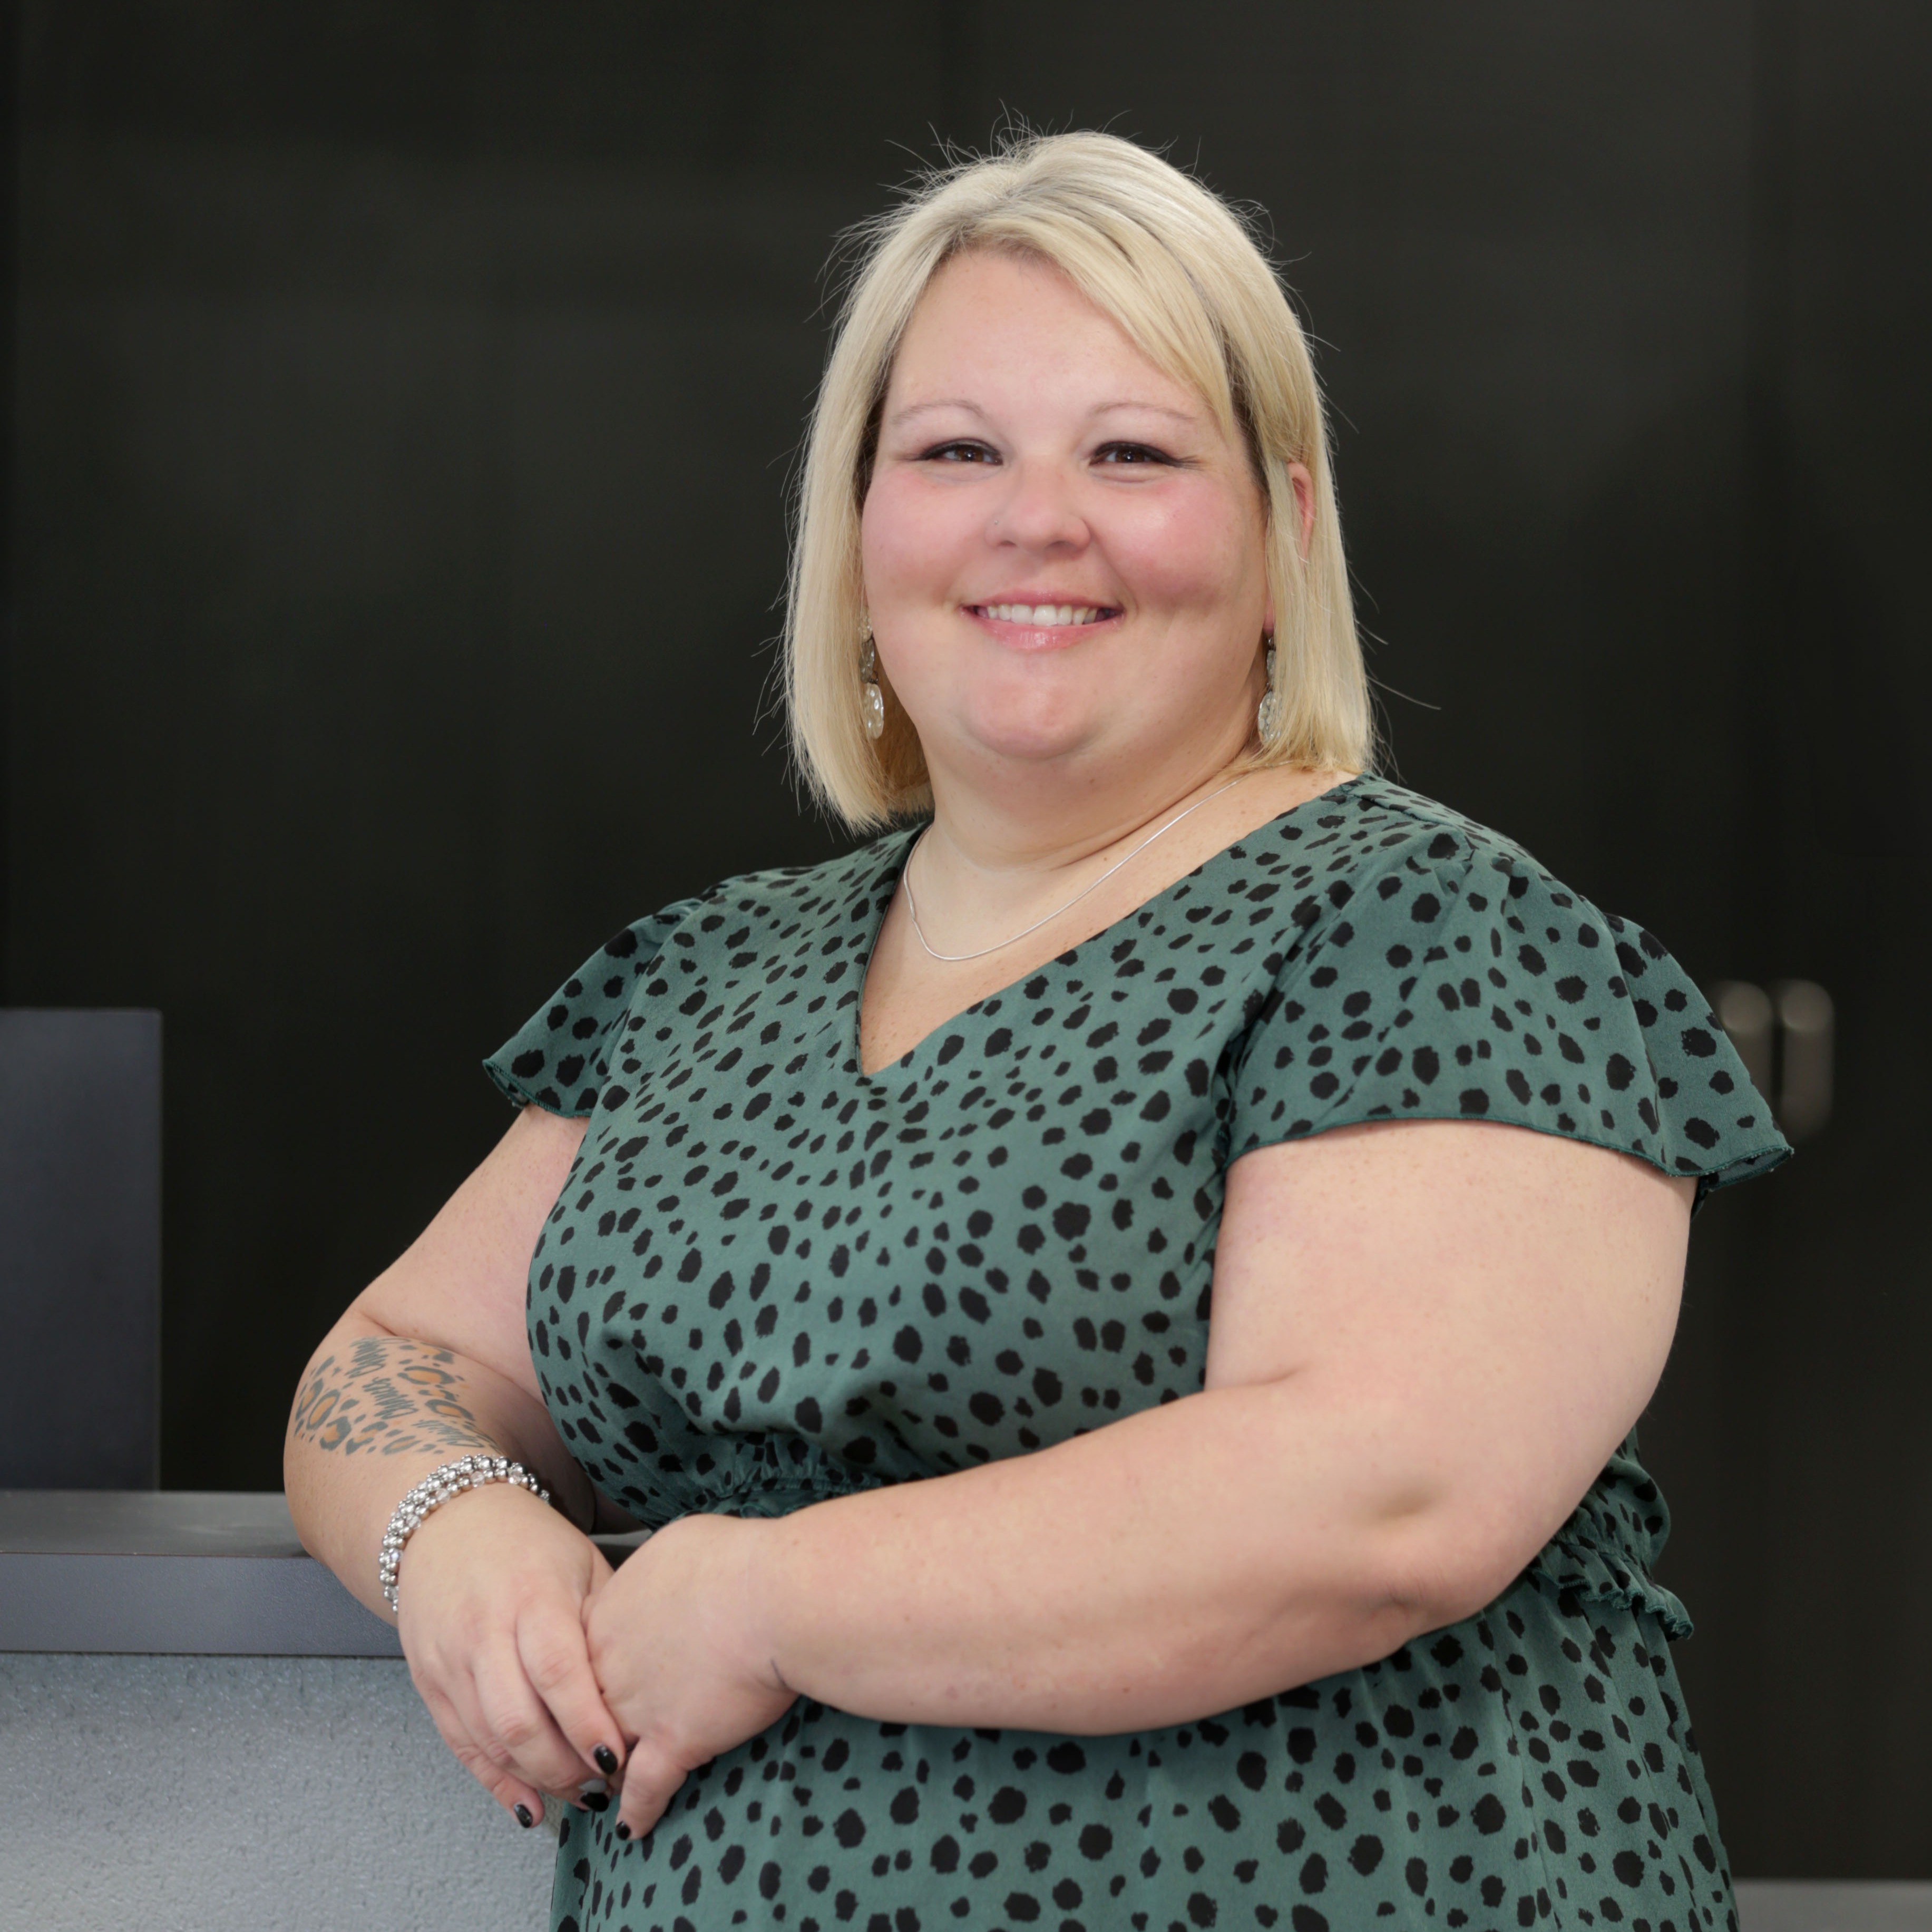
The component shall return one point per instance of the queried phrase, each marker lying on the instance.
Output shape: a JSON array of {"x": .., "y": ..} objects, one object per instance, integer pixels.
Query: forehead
[{"x": 997, "y": 329}]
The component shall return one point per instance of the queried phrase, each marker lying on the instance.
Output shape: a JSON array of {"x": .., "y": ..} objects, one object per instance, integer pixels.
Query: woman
[{"x": 869, "y": 1216}]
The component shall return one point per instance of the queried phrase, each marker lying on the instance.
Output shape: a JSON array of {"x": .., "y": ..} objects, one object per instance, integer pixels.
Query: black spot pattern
[{"x": 770, "y": 1279}]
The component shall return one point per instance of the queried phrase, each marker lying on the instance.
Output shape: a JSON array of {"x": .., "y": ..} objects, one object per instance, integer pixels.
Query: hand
[
  {"x": 674, "y": 1641},
  {"x": 491, "y": 1599}
]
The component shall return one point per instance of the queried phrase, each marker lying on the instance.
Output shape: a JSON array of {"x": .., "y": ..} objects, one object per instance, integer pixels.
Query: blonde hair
[{"x": 1177, "y": 270}]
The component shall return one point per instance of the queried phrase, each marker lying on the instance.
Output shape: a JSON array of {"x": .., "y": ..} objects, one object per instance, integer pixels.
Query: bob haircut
[{"x": 1176, "y": 268}]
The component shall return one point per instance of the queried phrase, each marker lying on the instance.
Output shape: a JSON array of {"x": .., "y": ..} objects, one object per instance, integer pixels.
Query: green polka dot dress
[{"x": 771, "y": 1278}]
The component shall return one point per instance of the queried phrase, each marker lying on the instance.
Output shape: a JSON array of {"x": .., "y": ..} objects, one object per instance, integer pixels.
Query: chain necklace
[{"x": 955, "y": 958}]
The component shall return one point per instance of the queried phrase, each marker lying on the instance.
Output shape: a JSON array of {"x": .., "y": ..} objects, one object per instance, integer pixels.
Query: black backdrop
[{"x": 402, "y": 400}]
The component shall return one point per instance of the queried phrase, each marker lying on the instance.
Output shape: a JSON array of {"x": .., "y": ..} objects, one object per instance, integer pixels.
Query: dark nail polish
[
  {"x": 523, "y": 1816},
  {"x": 607, "y": 1760},
  {"x": 623, "y": 1830},
  {"x": 596, "y": 1801}
]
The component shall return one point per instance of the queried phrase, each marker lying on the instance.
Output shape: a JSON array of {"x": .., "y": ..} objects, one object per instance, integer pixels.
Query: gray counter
[
  {"x": 246, "y": 1794},
  {"x": 179, "y": 1573},
  {"x": 176, "y": 1573},
  {"x": 227, "y": 1741}
]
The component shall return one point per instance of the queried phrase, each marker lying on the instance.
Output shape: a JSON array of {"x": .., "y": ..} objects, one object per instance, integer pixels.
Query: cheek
[
  {"x": 907, "y": 538},
  {"x": 1189, "y": 551}
]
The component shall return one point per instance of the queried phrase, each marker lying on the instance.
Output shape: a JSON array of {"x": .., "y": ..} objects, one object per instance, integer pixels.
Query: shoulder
[
  {"x": 1372, "y": 827},
  {"x": 787, "y": 909},
  {"x": 692, "y": 949},
  {"x": 748, "y": 912},
  {"x": 747, "y": 927},
  {"x": 1326, "y": 865},
  {"x": 1438, "y": 971},
  {"x": 1397, "y": 866}
]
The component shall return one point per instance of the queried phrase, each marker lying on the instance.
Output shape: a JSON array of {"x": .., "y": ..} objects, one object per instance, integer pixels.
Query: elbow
[
  {"x": 1444, "y": 1561},
  {"x": 314, "y": 1422}
]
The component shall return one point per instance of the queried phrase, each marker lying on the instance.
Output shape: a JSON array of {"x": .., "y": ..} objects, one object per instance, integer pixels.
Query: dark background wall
[{"x": 402, "y": 401}]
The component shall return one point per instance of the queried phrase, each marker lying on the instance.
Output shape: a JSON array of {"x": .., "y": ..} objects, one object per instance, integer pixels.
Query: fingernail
[
  {"x": 595, "y": 1801},
  {"x": 607, "y": 1760},
  {"x": 523, "y": 1816},
  {"x": 623, "y": 1830}
]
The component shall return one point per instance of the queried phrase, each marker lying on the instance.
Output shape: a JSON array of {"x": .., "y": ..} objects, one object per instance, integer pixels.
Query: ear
[{"x": 1303, "y": 484}]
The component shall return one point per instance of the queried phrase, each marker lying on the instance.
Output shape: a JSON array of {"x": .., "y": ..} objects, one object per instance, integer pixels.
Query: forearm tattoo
[{"x": 387, "y": 1396}]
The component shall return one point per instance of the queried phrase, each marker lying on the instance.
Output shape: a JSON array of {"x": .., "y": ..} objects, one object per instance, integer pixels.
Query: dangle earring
[
  {"x": 1269, "y": 714},
  {"x": 871, "y": 699}
]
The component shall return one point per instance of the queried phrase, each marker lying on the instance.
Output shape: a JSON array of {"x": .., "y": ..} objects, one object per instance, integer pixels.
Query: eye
[
  {"x": 959, "y": 452},
  {"x": 1135, "y": 453}
]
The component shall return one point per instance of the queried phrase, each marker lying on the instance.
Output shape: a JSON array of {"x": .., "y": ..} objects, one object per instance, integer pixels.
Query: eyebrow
[{"x": 913, "y": 409}]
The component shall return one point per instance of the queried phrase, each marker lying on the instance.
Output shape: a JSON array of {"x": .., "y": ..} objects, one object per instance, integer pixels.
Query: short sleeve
[
  {"x": 550, "y": 1061},
  {"x": 1473, "y": 987}
]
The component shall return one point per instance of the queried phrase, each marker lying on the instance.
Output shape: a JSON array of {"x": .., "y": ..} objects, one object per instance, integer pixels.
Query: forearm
[
  {"x": 1181, "y": 1562},
  {"x": 376, "y": 1412}
]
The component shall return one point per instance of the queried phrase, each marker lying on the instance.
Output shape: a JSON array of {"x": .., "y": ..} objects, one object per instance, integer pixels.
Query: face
[{"x": 1064, "y": 558}]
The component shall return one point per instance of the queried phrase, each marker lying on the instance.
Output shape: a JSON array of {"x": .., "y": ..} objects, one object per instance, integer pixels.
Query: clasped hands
[{"x": 543, "y": 1668}]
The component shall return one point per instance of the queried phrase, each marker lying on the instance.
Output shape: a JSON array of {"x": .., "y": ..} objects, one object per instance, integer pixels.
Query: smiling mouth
[{"x": 1043, "y": 615}]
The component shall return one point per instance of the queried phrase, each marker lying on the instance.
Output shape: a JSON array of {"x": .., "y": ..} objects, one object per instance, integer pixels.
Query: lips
[{"x": 1033, "y": 625}]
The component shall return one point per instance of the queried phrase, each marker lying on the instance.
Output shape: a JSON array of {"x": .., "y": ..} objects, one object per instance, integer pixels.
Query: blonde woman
[{"x": 1125, "y": 1299}]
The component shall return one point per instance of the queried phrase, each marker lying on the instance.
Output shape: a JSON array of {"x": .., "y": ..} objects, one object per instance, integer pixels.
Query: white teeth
[{"x": 1044, "y": 613}]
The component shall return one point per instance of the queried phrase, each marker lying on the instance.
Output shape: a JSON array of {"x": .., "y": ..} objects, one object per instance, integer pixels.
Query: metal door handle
[{"x": 1784, "y": 1038}]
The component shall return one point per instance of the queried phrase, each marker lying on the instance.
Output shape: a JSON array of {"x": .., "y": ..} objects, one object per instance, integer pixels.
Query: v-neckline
[{"x": 884, "y": 886}]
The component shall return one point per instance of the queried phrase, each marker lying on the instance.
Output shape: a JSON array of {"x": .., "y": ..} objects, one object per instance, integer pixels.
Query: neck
[{"x": 1027, "y": 834}]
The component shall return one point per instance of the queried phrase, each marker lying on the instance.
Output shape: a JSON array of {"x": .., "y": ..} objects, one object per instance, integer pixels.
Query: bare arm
[
  {"x": 429, "y": 1362},
  {"x": 1427, "y": 1338}
]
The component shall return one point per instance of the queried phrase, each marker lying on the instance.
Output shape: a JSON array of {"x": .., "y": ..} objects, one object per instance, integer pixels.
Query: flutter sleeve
[
  {"x": 551, "y": 1060},
  {"x": 1449, "y": 983}
]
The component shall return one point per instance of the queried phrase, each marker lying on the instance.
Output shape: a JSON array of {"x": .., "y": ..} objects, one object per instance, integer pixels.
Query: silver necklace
[{"x": 955, "y": 958}]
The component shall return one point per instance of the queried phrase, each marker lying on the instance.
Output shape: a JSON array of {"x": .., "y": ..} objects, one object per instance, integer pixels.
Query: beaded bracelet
[{"x": 468, "y": 1472}]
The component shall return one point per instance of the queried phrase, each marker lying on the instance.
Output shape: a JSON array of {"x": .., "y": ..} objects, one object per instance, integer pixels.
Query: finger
[
  {"x": 470, "y": 1721},
  {"x": 523, "y": 1801},
  {"x": 555, "y": 1654},
  {"x": 516, "y": 1727},
  {"x": 652, "y": 1780}
]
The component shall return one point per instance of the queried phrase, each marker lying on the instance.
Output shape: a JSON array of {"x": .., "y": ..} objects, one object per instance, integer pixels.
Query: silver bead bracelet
[{"x": 467, "y": 1472}]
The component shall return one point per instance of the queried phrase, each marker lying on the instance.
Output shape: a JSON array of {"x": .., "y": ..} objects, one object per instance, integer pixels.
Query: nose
[{"x": 1039, "y": 511}]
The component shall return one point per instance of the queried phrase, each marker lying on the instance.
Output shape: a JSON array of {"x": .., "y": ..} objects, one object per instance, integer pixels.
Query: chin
[{"x": 1026, "y": 734}]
